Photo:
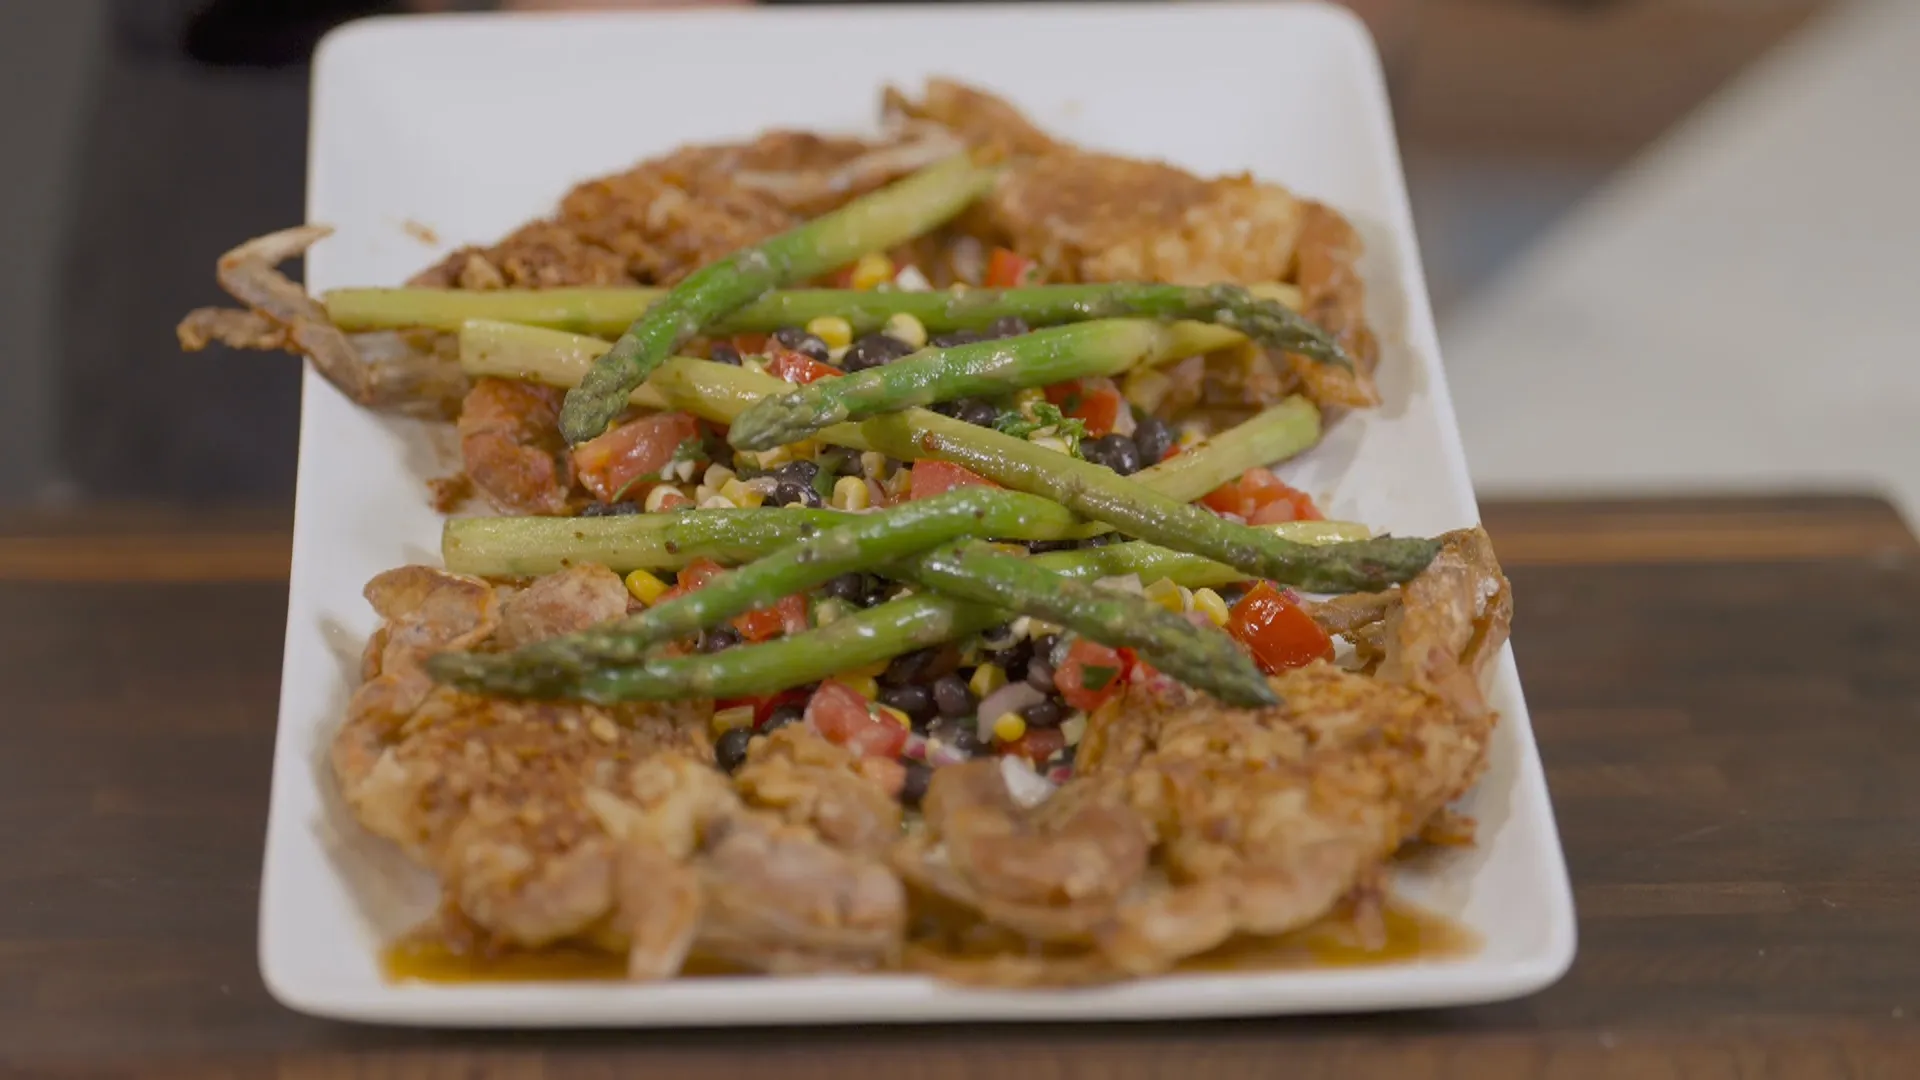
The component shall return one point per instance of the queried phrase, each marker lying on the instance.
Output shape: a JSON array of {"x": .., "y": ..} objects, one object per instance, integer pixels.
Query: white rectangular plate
[{"x": 471, "y": 125}]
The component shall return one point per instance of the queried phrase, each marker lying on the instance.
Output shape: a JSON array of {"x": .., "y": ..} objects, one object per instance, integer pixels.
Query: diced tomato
[
  {"x": 1262, "y": 498},
  {"x": 787, "y": 616},
  {"x": 843, "y": 717},
  {"x": 1060, "y": 393},
  {"x": 1099, "y": 409},
  {"x": 1278, "y": 633},
  {"x": 1006, "y": 269},
  {"x": 631, "y": 453},
  {"x": 799, "y": 368},
  {"x": 1090, "y": 674},
  {"x": 694, "y": 575},
  {"x": 842, "y": 278},
  {"x": 1037, "y": 745},
  {"x": 673, "y": 500},
  {"x": 750, "y": 343},
  {"x": 930, "y": 478}
]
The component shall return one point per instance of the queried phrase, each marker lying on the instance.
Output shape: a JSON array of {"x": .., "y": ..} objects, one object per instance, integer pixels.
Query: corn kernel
[
  {"x": 873, "y": 463},
  {"x": 1186, "y": 598},
  {"x": 644, "y": 587},
  {"x": 830, "y": 610},
  {"x": 664, "y": 496},
  {"x": 1009, "y": 727},
  {"x": 1051, "y": 442},
  {"x": 739, "y": 494},
  {"x": 1041, "y": 628},
  {"x": 899, "y": 716},
  {"x": 717, "y": 502},
  {"x": 768, "y": 459},
  {"x": 832, "y": 329},
  {"x": 907, "y": 329},
  {"x": 872, "y": 270},
  {"x": 1191, "y": 437},
  {"x": 1025, "y": 400},
  {"x": 1145, "y": 388},
  {"x": 1165, "y": 593},
  {"x": 725, "y": 720},
  {"x": 850, "y": 493},
  {"x": 804, "y": 450},
  {"x": 986, "y": 679},
  {"x": 1212, "y": 605},
  {"x": 871, "y": 671},
  {"x": 716, "y": 477},
  {"x": 864, "y": 685}
]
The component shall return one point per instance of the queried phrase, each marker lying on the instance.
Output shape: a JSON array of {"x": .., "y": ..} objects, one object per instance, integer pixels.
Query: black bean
[
  {"x": 914, "y": 699},
  {"x": 873, "y": 350},
  {"x": 1013, "y": 659},
  {"x": 1042, "y": 547},
  {"x": 975, "y": 412},
  {"x": 611, "y": 509},
  {"x": 1124, "y": 452},
  {"x": 957, "y": 337},
  {"x": 730, "y": 749},
  {"x": 791, "y": 492},
  {"x": 915, "y": 787},
  {"x": 946, "y": 408},
  {"x": 956, "y": 732},
  {"x": 781, "y": 717},
  {"x": 1007, "y": 326},
  {"x": 1152, "y": 438},
  {"x": 849, "y": 587},
  {"x": 879, "y": 589},
  {"x": 1102, "y": 540},
  {"x": 1040, "y": 673},
  {"x": 719, "y": 638},
  {"x": 952, "y": 697},
  {"x": 724, "y": 353},
  {"x": 1044, "y": 645},
  {"x": 997, "y": 637},
  {"x": 922, "y": 665},
  {"x": 1044, "y": 714},
  {"x": 800, "y": 472},
  {"x": 802, "y": 342}
]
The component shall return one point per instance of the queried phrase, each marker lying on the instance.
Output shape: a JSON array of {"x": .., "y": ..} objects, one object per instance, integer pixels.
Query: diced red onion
[
  {"x": 1028, "y": 788},
  {"x": 1010, "y": 698}
]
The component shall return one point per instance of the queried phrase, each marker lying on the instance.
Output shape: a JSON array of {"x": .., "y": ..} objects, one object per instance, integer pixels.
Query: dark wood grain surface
[{"x": 1727, "y": 694}]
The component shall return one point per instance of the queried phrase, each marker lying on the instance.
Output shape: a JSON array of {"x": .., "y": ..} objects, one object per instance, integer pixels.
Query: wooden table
[{"x": 1727, "y": 693}]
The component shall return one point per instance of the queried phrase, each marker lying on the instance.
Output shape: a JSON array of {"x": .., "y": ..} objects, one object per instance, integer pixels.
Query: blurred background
[{"x": 1667, "y": 239}]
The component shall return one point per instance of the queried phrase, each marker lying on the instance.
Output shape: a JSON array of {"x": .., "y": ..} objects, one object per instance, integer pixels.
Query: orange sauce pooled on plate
[
  {"x": 1407, "y": 933},
  {"x": 1335, "y": 941}
]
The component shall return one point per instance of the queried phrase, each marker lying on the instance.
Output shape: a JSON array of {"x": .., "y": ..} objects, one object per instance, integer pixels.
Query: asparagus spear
[
  {"x": 529, "y": 546},
  {"x": 980, "y": 369},
  {"x": 892, "y": 215},
  {"x": 1261, "y": 312},
  {"x": 856, "y": 640},
  {"x": 1099, "y": 493},
  {"x": 854, "y": 542},
  {"x": 1205, "y": 659}
]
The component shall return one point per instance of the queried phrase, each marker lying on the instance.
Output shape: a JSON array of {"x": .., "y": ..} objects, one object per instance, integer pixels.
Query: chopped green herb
[{"x": 1097, "y": 676}]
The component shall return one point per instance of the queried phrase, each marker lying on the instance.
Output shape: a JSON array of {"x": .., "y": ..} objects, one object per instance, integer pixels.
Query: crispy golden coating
[
  {"x": 548, "y": 821},
  {"x": 1261, "y": 820},
  {"x": 664, "y": 218},
  {"x": 511, "y": 446}
]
